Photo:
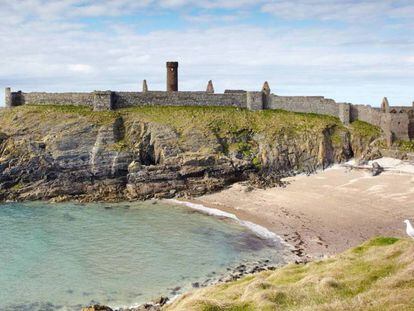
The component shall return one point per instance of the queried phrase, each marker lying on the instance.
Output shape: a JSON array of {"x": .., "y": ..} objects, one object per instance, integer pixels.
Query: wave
[{"x": 259, "y": 230}]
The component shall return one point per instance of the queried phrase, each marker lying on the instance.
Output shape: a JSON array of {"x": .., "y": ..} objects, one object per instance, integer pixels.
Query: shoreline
[
  {"x": 241, "y": 197},
  {"x": 358, "y": 205},
  {"x": 298, "y": 253},
  {"x": 229, "y": 213},
  {"x": 327, "y": 212}
]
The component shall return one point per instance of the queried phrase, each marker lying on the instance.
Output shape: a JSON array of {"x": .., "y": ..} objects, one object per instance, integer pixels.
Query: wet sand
[{"x": 327, "y": 212}]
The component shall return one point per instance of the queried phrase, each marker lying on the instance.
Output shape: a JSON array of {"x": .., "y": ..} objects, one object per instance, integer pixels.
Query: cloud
[
  {"x": 81, "y": 68},
  {"x": 359, "y": 11},
  {"x": 53, "y": 46}
]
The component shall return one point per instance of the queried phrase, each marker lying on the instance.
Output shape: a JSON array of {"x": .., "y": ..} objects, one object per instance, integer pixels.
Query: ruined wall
[
  {"x": 103, "y": 100},
  {"x": 76, "y": 99},
  {"x": 106, "y": 100},
  {"x": 411, "y": 124},
  {"x": 128, "y": 99},
  {"x": 344, "y": 113},
  {"x": 367, "y": 114},
  {"x": 255, "y": 100},
  {"x": 306, "y": 104},
  {"x": 400, "y": 123},
  {"x": 8, "y": 97},
  {"x": 397, "y": 123}
]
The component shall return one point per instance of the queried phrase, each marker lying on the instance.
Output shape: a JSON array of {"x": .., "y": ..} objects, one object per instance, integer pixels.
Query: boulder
[
  {"x": 97, "y": 308},
  {"x": 376, "y": 169}
]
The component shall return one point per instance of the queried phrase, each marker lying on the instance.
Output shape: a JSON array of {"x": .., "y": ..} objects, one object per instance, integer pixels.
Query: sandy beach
[{"x": 330, "y": 211}]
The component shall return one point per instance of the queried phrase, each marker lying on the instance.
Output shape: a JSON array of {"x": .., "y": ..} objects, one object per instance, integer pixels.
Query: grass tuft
[{"x": 378, "y": 275}]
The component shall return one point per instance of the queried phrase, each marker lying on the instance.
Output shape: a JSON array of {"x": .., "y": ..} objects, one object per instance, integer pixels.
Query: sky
[{"x": 348, "y": 50}]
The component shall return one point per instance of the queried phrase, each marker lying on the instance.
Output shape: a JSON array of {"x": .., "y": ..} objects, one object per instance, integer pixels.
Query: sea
[{"x": 64, "y": 256}]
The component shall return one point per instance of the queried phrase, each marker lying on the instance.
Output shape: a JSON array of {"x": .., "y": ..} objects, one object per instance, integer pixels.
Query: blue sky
[{"x": 348, "y": 50}]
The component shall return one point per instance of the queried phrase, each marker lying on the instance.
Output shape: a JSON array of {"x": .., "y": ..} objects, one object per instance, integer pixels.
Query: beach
[{"x": 330, "y": 211}]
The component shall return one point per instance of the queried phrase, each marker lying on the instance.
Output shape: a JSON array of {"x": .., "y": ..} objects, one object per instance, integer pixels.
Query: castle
[{"x": 396, "y": 122}]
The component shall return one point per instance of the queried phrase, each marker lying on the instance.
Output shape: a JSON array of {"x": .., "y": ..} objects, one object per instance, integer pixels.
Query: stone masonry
[
  {"x": 172, "y": 76},
  {"x": 396, "y": 122}
]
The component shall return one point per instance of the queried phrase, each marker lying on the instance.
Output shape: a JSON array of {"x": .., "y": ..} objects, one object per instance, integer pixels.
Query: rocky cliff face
[{"x": 65, "y": 153}]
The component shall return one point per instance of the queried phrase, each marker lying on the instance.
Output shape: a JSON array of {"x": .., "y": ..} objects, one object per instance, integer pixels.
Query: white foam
[
  {"x": 257, "y": 229},
  {"x": 389, "y": 164},
  {"x": 137, "y": 305}
]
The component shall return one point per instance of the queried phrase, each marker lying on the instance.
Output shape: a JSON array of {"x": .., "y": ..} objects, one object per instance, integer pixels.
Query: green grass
[
  {"x": 405, "y": 146},
  {"x": 364, "y": 129},
  {"x": 374, "y": 276},
  {"x": 237, "y": 131},
  {"x": 219, "y": 120},
  {"x": 56, "y": 113},
  {"x": 225, "y": 120}
]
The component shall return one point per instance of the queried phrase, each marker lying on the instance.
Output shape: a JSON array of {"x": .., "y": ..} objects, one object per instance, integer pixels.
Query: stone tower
[
  {"x": 210, "y": 87},
  {"x": 172, "y": 76},
  {"x": 144, "y": 86}
]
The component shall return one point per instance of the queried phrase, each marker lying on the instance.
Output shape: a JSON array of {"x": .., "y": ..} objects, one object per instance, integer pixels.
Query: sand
[{"x": 330, "y": 211}]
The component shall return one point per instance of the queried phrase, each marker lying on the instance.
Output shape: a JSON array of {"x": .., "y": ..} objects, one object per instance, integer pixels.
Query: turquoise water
[{"x": 62, "y": 256}]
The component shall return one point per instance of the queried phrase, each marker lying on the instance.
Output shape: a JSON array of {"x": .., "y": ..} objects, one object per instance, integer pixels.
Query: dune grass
[{"x": 378, "y": 275}]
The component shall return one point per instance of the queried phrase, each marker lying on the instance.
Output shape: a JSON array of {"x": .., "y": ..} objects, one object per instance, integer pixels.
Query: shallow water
[{"x": 61, "y": 256}]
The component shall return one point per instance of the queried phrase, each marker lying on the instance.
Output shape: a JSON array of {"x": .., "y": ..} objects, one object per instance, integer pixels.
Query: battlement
[{"x": 397, "y": 122}]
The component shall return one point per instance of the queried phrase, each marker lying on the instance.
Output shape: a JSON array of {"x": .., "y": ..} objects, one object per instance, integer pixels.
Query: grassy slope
[
  {"x": 238, "y": 130},
  {"x": 209, "y": 120},
  {"x": 378, "y": 275}
]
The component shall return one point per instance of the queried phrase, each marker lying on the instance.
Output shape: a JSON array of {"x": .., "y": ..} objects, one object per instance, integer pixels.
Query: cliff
[
  {"x": 374, "y": 276},
  {"x": 68, "y": 152}
]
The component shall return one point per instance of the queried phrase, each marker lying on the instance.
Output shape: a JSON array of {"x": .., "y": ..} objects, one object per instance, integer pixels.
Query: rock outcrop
[{"x": 64, "y": 153}]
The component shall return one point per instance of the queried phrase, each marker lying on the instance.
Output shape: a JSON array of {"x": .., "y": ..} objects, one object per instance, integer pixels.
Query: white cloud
[
  {"x": 44, "y": 48},
  {"x": 356, "y": 11},
  {"x": 81, "y": 68}
]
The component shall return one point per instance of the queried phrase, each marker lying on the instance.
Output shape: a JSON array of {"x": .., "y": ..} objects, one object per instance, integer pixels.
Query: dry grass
[{"x": 378, "y": 275}]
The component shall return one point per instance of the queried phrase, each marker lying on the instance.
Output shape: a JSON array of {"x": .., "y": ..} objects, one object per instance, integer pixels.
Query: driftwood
[
  {"x": 375, "y": 169},
  {"x": 359, "y": 167}
]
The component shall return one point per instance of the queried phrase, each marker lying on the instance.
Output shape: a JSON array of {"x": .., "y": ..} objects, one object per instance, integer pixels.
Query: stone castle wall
[
  {"x": 400, "y": 124},
  {"x": 396, "y": 123},
  {"x": 306, "y": 104},
  {"x": 151, "y": 98},
  {"x": 75, "y": 99}
]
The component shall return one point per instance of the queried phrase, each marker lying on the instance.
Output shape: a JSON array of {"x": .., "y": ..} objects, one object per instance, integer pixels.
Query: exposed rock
[
  {"x": 376, "y": 169},
  {"x": 71, "y": 157},
  {"x": 97, "y": 308},
  {"x": 372, "y": 153},
  {"x": 3, "y": 137}
]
